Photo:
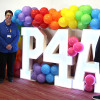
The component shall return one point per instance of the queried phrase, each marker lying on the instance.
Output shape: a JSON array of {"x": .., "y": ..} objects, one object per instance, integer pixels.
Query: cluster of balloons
[
  {"x": 74, "y": 46},
  {"x": 23, "y": 17},
  {"x": 95, "y": 22},
  {"x": 83, "y": 15},
  {"x": 18, "y": 63},
  {"x": 73, "y": 17},
  {"x": 89, "y": 82},
  {"x": 68, "y": 17},
  {"x": 44, "y": 73},
  {"x": 45, "y": 18}
]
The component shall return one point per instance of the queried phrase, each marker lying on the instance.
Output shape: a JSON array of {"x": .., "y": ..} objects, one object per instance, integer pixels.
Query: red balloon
[
  {"x": 88, "y": 88},
  {"x": 90, "y": 79},
  {"x": 34, "y": 12},
  {"x": 19, "y": 52},
  {"x": 44, "y": 25},
  {"x": 35, "y": 24},
  {"x": 17, "y": 73},
  {"x": 44, "y": 11},
  {"x": 72, "y": 40},
  {"x": 71, "y": 52},
  {"x": 17, "y": 65},
  {"x": 39, "y": 18},
  {"x": 78, "y": 47}
]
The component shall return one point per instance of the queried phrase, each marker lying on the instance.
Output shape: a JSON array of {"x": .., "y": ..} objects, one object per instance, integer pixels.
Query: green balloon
[
  {"x": 81, "y": 8},
  {"x": 87, "y": 9},
  {"x": 81, "y": 25},
  {"x": 86, "y": 19},
  {"x": 78, "y": 15}
]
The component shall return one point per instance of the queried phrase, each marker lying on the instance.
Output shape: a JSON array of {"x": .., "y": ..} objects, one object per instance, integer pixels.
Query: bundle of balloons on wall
[
  {"x": 44, "y": 72},
  {"x": 73, "y": 17},
  {"x": 90, "y": 81},
  {"x": 74, "y": 46}
]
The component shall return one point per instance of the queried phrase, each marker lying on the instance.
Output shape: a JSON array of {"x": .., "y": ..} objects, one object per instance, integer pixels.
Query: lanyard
[{"x": 8, "y": 29}]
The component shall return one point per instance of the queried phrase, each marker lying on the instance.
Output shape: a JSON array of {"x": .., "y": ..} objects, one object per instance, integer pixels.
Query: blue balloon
[
  {"x": 45, "y": 69},
  {"x": 17, "y": 12},
  {"x": 14, "y": 19},
  {"x": 99, "y": 16},
  {"x": 54, "y": 70},
  {"x": 95, "y": 13},
  {"x": 95, "y": 24},
  {"x": 50, "y": 78},
  {"x": 19, "y": 22}
]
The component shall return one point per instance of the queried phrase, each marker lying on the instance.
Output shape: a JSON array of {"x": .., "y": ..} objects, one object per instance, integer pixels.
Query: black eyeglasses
[{"x": 9, "y": 15}]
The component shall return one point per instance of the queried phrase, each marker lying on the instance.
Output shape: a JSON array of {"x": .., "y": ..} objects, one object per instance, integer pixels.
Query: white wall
[{"x": 57, "y": 4}]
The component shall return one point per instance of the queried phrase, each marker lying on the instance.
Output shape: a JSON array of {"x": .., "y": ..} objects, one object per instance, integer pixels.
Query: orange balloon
[
  {"x": 47, "y": 18},
  {"x": 56, "y": 16},
  {"x": 54, "y": 25},
  {"x": 52, "y": 10}
]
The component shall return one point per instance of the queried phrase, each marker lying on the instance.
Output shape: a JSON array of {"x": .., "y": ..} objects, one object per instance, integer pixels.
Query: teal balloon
[
  {"x": 14, "y": 19},
  {"x": 49, "y": 78},
  {"x": 95, "y": 24},
  {"x": 78, "y": 15},
  {"x": 17, "y": 12},
  {"x": 81, "y": 25},
  {"x": 19, "y": 22},
  {"x": 86, "y": 19},
  {"x": 95, "y": 13}
]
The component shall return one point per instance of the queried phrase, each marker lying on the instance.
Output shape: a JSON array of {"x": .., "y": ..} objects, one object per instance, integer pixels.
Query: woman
[
  {"x": 9, "y": 37},
  {"x": 97, "y": 59}
]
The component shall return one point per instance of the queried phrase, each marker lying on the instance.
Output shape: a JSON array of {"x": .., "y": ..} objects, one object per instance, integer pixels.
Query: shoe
[
  {"x": 10, "y": 79},
  {"x": 96, "y": 97},
  {"x": 1, "y": 80}
]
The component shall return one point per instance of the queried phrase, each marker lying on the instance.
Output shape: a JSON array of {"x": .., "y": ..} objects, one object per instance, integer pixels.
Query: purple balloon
[
  {"x": 27, "y": 25},
  {"x": 34, "y": 76},
  {"x": 34, "y": 8},
  {"x": 28, "y": 19},
  {"x": 35, "y": 64},
  {"x": 26, "y": 10},
  {"x": 41, "y": 78},
  {"x": 21, "y": 17},
  {"x": 37, "y": 69}
]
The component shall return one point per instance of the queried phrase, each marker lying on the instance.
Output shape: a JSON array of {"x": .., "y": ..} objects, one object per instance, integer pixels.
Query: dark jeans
[{"x": 9, "y": 59}]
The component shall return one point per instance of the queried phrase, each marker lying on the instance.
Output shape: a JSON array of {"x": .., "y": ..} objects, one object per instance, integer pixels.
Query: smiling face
[{"x": 8, "y": 17}]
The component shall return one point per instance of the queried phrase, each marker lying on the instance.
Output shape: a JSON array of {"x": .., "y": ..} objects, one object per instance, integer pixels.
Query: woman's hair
[{"x": 8, "y": 11}]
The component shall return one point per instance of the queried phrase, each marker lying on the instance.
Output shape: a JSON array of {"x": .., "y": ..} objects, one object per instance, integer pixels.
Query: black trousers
[{"x": 9, "y": 60}]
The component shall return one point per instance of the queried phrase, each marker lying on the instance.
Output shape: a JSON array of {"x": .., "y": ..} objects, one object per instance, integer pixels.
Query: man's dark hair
[{"x": 8, "y": 11}]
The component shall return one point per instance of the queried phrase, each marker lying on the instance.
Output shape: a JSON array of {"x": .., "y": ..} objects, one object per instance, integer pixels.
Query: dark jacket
[{"x": 97, "y": 51}]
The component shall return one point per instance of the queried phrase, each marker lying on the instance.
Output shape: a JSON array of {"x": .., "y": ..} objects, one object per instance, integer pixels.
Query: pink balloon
[
  {"x": 90, "y": 79},
  {"x": 72, "y": 40},
  {"x": 71, "y": 52},
  {"x": 78, "y": 47},
  {"x": 88, "y": 88}
]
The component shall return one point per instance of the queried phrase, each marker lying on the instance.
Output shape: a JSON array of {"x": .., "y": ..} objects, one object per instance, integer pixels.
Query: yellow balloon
[
  {"x": 69, "y": 15},
  {"x": 73, "y": 8},
  {"x": 20, "y": 43},
  {"x": 64, "y": 11},
  {"x": 72, "y": 24},
  {"x": 62, "y": 22}
]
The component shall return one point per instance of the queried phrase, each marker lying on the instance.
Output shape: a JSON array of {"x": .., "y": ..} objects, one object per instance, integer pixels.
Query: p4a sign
[{"x": 89, "y": 37}]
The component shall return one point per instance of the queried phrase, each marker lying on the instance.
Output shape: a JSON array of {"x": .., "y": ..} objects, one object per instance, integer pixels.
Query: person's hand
[{"x": 9, "y": 47}]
